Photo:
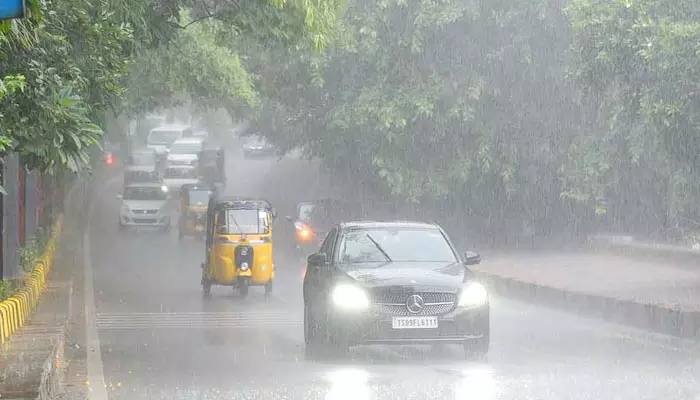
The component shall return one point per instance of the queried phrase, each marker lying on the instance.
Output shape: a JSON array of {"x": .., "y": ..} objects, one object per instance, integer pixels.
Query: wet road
[{"x": 161, "y": 339}]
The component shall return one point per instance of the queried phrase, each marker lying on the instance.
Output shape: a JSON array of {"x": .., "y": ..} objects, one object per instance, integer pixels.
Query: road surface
[{"x": 159, "y": 338}]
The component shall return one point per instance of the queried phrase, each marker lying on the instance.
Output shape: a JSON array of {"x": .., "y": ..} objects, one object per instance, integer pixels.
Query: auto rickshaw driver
[
  {"x": 194, "y": 200},
  {"x": 238, "y": 244}
]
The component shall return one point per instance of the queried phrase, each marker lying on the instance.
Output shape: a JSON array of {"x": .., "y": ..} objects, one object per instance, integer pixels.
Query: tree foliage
[
  {"x": 72, "y": 62},
  {"x": 565, "y": 115}
]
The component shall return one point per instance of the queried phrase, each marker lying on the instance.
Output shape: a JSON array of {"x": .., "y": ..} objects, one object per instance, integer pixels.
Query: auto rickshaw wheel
[
  {"x": 268, "y": 288},
  {"x": 243, "y": 286},
  {"x": 206, "y": 286}
]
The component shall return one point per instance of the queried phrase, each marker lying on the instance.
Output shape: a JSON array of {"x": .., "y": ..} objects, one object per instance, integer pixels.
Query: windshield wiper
[{"x": 379, "y": 248}]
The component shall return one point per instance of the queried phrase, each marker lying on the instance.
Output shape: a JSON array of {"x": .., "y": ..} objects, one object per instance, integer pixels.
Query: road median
[{"x": 615, "y": 288}]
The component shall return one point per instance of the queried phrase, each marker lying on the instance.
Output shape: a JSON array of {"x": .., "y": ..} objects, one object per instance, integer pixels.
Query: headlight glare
[
  {"x": 473, "y": 295},
  {"x": 350, "y": 297}
]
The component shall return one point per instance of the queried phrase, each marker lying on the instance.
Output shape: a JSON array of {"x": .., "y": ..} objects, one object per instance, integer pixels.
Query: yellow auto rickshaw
[
  {"x": 238, "y": 250},
  {"x": 194, "y": 200}
]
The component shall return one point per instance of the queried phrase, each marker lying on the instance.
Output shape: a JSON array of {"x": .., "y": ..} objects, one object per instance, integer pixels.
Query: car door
[{"x": 316, "y": 280}]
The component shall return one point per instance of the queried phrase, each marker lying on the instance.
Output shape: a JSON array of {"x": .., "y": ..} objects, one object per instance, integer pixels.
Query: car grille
[
  {"x": 151, "y": 212},
  {"x": 436, "y": 303}
]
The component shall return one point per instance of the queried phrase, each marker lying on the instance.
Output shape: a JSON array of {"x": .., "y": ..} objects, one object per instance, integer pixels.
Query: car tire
[
  {"x": 477, "y": 349},
  {"x": 319, "y": 343}
]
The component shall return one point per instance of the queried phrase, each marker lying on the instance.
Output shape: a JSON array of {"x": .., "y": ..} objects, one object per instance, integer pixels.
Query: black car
[
  {"x": 314, "y": 219},
  {"x": 392, "y": 283}
]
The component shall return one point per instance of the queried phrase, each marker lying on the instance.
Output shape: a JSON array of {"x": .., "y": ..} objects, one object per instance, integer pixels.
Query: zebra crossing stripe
[{"x": 194, "y": 320}]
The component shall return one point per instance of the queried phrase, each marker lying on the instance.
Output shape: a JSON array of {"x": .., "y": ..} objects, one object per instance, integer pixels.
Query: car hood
[
  {"x": 144, "y": 204},
  {"x": 440, "y": 276}
]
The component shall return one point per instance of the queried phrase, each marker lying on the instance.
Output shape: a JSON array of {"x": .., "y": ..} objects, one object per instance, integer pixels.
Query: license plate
[{"x": 414, "y": 322}]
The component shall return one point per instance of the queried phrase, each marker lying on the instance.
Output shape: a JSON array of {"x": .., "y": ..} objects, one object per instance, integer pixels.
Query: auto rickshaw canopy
[
  {"x": 187, "y": 189},
  {"x": 219, "y": 203}
]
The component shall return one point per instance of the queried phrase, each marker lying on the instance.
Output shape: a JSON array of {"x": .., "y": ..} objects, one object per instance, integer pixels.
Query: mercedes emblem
[{"x": 415, "y": 304}]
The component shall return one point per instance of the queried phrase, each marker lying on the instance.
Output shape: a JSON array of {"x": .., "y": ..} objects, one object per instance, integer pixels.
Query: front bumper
[
  {"x": 131, "y": 220},
  {"x": 458, "y": 326}
]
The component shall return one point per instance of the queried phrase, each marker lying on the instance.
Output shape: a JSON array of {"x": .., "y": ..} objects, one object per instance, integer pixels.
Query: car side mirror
[
  {"x": 471, "y": 258},
  {"x": 120, "y": 196},
  {"x": 317, "y": 260}
]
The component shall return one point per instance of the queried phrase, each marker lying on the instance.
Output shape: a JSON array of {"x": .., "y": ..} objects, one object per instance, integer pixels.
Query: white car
[
  {"x": 177, "y": 175},
  {"x": 161, "y": 138},
  {"x": 144, "y": 205},
  {"x": 185, "y": 151}
]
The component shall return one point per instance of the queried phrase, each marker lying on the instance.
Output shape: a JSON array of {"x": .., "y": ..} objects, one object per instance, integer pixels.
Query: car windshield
[
  {"x": 185, "y": 148},
  {"x": 144, "y": 193},
  {"x": 399, "y": 244},
  {"x": 236, "y": 221},
  {"x": 142, "y": 159},
  {"x": 180, "y": 173},
  {"x": 140, "y": 176},
  {"x": 163, "y": 137},
  {"x": 199, "y": 196}
]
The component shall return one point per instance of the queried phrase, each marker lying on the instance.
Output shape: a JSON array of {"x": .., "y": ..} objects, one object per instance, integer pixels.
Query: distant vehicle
[
  {"x": 185, "y": 151},
  {"x": 255, "y": 146},
  {"x": 144, "y": 205},
  {"x": 314, "y": 219},
  {"x": 177, "y": 175},
  {"x": 161, "y": 138},
  {"x": 392, "y": 283},
  {"x": 141, "y": 174},
  {"x": 201, "y": 134},
  {"x": 144, "y": 158}
]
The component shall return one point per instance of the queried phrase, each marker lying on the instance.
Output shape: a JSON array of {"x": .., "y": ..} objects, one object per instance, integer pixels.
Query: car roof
[
  {"x": 180, "y": 166},
  {"x": 189, "y": 140},
  {"x": 171, "y": 127},
  {"x": 144, "y": 184},
  {"x": 143, "y": 150},
  {"x": 388, "y": 224}
]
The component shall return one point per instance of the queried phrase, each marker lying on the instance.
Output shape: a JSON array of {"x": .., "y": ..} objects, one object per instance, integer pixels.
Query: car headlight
[
  {"x": 350, "y": 297},
  {"x": 473, "y": 295},
  {"x": 164, "y": 188}
]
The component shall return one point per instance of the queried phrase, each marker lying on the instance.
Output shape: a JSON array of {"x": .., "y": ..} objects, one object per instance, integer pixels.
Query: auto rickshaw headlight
[
  {"x": 244, "y": 266},
  {"x": 350, "y": 297},
  {"x": 164, "y": 188}
]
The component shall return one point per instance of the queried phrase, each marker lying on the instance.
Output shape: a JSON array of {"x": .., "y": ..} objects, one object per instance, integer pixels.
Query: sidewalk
[
  {"x": 34, "y": 362},
  {"x": 651, "y": 289}
]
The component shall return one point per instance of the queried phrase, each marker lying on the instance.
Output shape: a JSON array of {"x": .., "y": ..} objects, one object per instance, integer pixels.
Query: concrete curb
[
  {"x": 15, "y": 311},
  {"x": 626, "y": 245},
  {"x": 651, "y": 317}
]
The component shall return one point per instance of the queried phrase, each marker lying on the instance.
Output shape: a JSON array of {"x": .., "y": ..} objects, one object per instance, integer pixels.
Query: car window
[
  {"x": 186, "y": 148},
  {"x": 327, "y": 246},
  {"x": 399, "y": 244},
  {"x": 144, "y": 193},
  {"x": 178, "y": 173},
  {"x": 164, "y": 137}
]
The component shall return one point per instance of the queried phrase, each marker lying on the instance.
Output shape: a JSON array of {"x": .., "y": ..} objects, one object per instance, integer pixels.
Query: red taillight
[{"x": 109, "y": 159}]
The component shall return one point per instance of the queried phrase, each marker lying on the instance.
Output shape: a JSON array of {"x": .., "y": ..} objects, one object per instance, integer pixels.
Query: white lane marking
[
  {"x": 190, "y": 320},
  {"x": 97, "y": 389}
]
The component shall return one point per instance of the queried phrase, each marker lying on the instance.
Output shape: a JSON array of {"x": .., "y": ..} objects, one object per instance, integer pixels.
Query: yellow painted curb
[{"x": 16, "y": 310}]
